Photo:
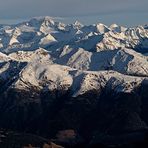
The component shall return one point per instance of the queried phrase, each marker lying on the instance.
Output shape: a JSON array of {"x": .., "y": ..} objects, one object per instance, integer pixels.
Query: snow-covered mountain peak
[
  {"x": 78, "y": 24},
  {"x": 47, "y": 20},
  {"x": 117, "y": 28},
  {"x": 101, "y": 28}
]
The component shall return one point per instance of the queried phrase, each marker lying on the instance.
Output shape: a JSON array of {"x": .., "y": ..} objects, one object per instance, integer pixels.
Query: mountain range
[{"x": 91, "y": 79}]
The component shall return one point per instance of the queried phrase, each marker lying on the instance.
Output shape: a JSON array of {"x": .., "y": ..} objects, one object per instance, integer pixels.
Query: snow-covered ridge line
[
  {"x": 45, "y": 32},
  {"x": 43, "y": 53}
]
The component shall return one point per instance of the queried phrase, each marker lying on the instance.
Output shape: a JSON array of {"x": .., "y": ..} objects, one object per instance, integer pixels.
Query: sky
[{"x": 126, "y": 12}]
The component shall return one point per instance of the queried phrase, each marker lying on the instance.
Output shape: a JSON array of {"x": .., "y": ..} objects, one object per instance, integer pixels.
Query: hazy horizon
[{"x": 127, "y": 12}]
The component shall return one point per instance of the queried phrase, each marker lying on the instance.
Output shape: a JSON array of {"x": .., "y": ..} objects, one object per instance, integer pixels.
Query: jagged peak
[
  {"x": 40, "y": 20},
  {"x": 102, "y": 28},
  {"x": 43, "y": 18},
  {"x": 78, "y": 24}
]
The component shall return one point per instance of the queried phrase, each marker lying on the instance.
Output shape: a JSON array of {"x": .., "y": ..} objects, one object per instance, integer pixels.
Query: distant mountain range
[{"x": 90, "y": 79}]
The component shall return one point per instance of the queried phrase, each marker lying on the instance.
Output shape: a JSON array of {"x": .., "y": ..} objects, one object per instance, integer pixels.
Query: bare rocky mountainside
[{"x": 74, "y": 84}]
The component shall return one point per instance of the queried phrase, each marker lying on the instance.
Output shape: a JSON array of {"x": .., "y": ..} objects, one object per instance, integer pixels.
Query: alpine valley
[{"x": 77, "y": 85}]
